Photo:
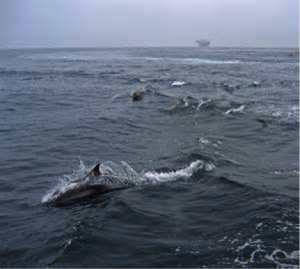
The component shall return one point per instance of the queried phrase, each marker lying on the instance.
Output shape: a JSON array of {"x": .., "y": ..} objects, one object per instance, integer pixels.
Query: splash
[{"x": 186, "y": 173}]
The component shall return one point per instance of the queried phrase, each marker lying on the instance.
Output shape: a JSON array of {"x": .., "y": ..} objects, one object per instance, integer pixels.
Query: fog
[{"x": 115, "y": 23}]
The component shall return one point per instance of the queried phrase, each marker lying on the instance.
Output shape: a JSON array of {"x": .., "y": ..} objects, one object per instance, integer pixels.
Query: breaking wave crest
[
  {"x": 235, "y": 110},
  {"x": 120, "y": 175},
  {"x": 192, "y": 104},
  {"x": 189, "y": 103},
  {"x": 282, "y": 115},
  {"x": 209, "y": 61}
]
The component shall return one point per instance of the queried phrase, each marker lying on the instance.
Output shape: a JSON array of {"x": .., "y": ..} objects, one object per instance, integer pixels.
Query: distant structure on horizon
[{"x": 202, "y": 43}]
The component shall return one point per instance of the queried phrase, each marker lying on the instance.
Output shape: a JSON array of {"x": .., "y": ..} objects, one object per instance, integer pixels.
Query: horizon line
[{"x": 151, "y": 46}]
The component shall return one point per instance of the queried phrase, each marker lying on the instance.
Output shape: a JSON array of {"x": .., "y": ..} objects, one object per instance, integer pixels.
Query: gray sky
[{"x": 113, "y": 23}]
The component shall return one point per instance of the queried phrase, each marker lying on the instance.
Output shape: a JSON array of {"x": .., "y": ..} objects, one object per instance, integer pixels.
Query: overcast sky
[{"x": 113, "y": 23}]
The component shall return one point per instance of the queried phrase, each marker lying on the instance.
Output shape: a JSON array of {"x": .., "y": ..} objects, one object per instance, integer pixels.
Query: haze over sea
[{"x": 226, "y": 119}]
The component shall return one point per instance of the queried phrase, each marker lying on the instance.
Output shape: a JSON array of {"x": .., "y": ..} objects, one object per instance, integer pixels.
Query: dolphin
[
  {"x": 83, "y": 187},
  {"x": 137, "y": 95}
]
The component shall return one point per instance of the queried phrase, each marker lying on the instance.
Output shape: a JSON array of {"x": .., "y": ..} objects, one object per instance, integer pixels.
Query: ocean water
[{"x": 209, "y": 158}]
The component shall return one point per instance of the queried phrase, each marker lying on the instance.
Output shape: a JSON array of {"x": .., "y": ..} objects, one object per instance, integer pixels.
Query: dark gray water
[{"x": 217, "y": 156}]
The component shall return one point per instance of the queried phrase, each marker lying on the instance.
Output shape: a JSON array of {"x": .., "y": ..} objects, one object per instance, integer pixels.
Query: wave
[
  {"x": 65, "y": 57},
  {"x": 258, "y": 250},
  {"x": 121, "y": 175},
  {"x": 191, "y": 103},
  {"x": 190, "y": 60},
  {"x": 80, "y": 56},
  {"x": 288, "y": 115},
  {"x": 258, "y": 253},
  {"x": 285, "y": 172},
  {"x": 267, "y": 241},
  {"x": 151, "y": 58},
  {"x": 6, "y": 71},
  {"x": 35, "y": 74}
]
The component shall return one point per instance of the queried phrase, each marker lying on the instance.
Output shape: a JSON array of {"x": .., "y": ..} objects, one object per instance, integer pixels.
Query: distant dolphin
[
  {"x": 137, "y": 95},
  {"x": 82, "y": 189}
]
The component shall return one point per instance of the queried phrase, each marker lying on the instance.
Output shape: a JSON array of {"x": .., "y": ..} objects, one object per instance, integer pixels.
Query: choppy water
[{"x": 212, "y": 152}]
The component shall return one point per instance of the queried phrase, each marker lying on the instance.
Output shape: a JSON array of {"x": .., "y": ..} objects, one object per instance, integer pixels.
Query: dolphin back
[{"x": 80, "y": 192}]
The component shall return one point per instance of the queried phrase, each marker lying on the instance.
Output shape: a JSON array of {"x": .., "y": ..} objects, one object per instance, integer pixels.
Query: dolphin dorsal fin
[{"x": 96, "y": 170}]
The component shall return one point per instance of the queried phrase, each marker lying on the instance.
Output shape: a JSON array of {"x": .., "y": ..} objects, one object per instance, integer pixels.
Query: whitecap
[
  {"x": 208, "y": 61},
  {"x": 203, "y": 102},
  {"x": 294, "y": 255},
  {"x": 178, "y": 83},
  {"x": 151, "y": 58},
  {"x": 295, "y": 108},
  {"x": 235, "y": 110},
  {"x": 283, "y": 114},
  {"x": 285, "y": 172},
  {"x": 189, "y": 60},
  {"x": 203, "y": 140}
]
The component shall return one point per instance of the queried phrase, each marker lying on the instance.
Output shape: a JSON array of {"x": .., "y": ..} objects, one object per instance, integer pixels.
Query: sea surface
[{"x": 211, "y": 153}]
